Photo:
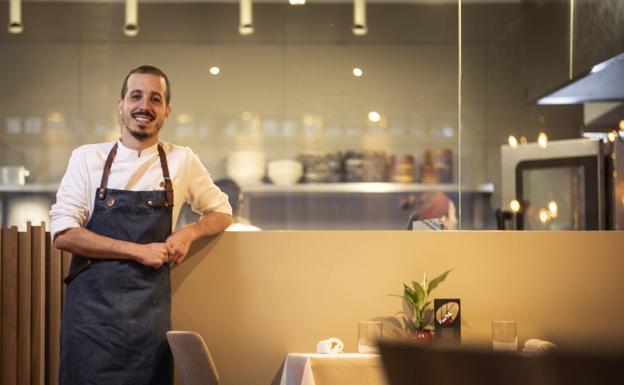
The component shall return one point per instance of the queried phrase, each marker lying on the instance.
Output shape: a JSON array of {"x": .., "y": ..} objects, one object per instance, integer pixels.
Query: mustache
[{"x": 143, "y": 112}]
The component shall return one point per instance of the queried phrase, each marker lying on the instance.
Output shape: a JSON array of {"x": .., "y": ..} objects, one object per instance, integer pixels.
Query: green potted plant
[{"x": 417, "y": 315}]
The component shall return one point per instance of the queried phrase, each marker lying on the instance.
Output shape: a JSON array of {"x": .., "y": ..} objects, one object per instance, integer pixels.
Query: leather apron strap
[{"x": 163, "y": 165}]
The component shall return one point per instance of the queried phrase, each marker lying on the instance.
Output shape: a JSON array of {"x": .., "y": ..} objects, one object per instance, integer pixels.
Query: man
[{"x": 115, "y": 210}]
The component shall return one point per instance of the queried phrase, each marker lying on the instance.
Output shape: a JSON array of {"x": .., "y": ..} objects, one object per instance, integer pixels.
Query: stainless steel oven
[{"x": 567, "y": 185}]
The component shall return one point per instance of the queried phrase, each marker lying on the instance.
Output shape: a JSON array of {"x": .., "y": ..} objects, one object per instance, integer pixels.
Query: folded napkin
[
  {"x": 330, "y": 346},
  {"x": 535, "y": 345}
]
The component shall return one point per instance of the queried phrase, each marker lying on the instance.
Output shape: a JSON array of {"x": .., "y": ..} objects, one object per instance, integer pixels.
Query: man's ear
[
  {"x": 167, "y": 111},
  {"x": 120, "y": 105}
]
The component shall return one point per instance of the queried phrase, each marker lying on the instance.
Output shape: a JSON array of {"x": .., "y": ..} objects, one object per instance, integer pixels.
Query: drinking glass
[
  {"x": 369, "y": 332},
  {"x": 505, "y": 335}
]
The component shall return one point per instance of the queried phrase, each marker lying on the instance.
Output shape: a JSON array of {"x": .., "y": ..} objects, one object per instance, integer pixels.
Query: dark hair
[
  {"x": 147, "y": 69},
  {"x": 232, "y": 190}
]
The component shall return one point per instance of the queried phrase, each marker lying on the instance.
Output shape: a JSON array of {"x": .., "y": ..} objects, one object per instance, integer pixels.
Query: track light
[
  {"x": 245, "y": 25},
  {"x": 359, "y": 17},
  {"x": 15, "y": 16},
  {"x": 131, "y": 28}
]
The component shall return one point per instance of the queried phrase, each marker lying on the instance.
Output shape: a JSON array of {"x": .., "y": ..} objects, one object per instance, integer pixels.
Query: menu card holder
[{"x": 447, "y": 322}]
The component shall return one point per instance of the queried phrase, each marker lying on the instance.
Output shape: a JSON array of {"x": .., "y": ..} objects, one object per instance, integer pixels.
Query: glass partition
[{"x": 320, "y": 126}]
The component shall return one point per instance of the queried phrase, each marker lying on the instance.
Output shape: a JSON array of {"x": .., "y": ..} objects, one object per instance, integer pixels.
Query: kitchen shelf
[
  {"x": 30, "y": 188},
  {"x": 359, "y": 187},
  {"x": 363, "y": 187}
]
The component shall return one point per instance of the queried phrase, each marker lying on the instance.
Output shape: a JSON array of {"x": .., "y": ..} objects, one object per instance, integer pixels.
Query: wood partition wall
[{"x": 31, "y": 298}]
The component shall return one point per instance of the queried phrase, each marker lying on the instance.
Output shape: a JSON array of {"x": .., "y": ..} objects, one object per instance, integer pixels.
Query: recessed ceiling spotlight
[
  {"x": 374, "y": 116},
  {"x": 214, "y": 70},
  {"x": 296, "y": 2},
  {"x": 357, "y": 72}
]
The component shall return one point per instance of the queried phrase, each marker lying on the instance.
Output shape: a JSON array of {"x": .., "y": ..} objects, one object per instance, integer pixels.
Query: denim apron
[{"x": 117, "y": 312}]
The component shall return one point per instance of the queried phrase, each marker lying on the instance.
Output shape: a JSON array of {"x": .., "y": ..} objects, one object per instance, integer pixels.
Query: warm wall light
[
  {"x": 15, "y": 16},
  {"x": 296, "y": 2},
  {"x": 357, "y": 72},
  {"x": 131, "y": 27},
  {"x": 621, "y": 124},
  {"x": 214, "y": 70},
  {"x": 542, "y": 139},
  {"x": 359, "y": 17},
  {"x": 612, "y": 136},
  {"x": 514, "y": 205},
  {"x": 374, "y": 116},
  {"x": 245, "y": 24},
  {"x": 513, "y": 142}
]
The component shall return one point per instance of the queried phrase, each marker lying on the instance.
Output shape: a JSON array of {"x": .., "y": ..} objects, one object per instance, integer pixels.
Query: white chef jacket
[{"x": 132, "y": 171}]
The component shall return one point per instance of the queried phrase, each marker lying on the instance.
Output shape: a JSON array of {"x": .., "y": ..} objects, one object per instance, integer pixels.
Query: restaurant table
[{"x": 333, "y": 369}]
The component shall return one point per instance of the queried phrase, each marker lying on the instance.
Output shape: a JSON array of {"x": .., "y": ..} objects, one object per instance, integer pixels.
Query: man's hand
[
  {"x": 179, "y": 243},
  {"x": 154, "y": 254}
]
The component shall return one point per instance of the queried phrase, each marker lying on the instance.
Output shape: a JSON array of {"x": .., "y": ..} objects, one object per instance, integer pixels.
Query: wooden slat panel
[
  {"x": 24, "y": 268},
  {"x": 53, "y": 311},
  {"x": 9, "y": 306},
  {"x": 37, "y": 332},
  {"x": 66, "y": 260},
  {"x": 1, "y": 291}
]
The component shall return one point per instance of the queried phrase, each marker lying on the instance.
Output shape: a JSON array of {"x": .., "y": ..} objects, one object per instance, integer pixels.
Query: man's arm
[
  {"x": 211, "y": 223},
  {"x": 81, "y": 241}
]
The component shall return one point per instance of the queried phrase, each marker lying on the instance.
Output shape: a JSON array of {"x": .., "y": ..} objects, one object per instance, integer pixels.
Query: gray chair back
[{"x": 192, "y": 358}]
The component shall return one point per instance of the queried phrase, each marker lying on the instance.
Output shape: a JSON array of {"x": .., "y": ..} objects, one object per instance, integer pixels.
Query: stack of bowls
[
  {"x": 285, "y": 172},
  {"x": 245, "y": 166}
]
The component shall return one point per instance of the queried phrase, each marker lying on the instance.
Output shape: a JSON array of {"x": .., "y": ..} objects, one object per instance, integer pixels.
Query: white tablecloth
[{"x": 332, "y": 369}]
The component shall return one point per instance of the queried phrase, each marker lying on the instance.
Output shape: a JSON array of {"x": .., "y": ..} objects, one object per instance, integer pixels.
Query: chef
[{"x": 116, "y": 207}]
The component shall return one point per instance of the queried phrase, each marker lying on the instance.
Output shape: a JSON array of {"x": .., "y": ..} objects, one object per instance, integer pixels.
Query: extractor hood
[{"x": 603, "y": 83}]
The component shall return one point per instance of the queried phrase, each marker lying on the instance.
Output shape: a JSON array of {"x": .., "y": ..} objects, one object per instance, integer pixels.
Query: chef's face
[{"x": 143, "y": 109}]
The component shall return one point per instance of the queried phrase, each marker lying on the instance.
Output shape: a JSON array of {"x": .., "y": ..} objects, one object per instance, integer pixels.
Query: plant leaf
[
  {"x": 408, "y": 309},
  {"x": 419, "y": 294},
  {"x": 436, "y": 281}
]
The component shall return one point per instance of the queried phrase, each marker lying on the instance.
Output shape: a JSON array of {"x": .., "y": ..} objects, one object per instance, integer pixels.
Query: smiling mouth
[{"x": 143, "y": 117}]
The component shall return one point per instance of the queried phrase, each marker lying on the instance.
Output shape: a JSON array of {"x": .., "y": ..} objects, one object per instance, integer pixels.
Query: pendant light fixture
[
  {"x": 131, "y": 27},
  {"x": 245, "y": 25},
  {"x": 359, "y": 17},
  {"x": 15, "y": 16}
]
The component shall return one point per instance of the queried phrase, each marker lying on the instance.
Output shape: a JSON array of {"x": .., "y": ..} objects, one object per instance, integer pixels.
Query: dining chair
[{"x": 192, "y": 358}]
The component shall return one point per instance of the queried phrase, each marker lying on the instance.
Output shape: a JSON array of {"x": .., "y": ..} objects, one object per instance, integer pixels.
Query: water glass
[
  {"x": 505, "y": 335},
  {"x": 369, "y": 332}
]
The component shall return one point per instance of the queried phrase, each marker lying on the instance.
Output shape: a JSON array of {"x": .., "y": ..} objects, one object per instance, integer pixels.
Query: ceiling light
[
  {"x": 359, "y": 17},
  {"x": 296, "y": 2},
  {"x": 513, "y": 142},
  {"x": 214, "y": 70},
  {"x": 374, "y": 116},
  {"x": 523, "y": 140},
  {"x": 514, "y": 205},
  {"x": 612, "y": 136},
  {"x": 357, "y": 72},
  {"x": 245, "y": 23},
  {"x": 131, "y": 27},
  {"x": 15, "y": 16}
]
